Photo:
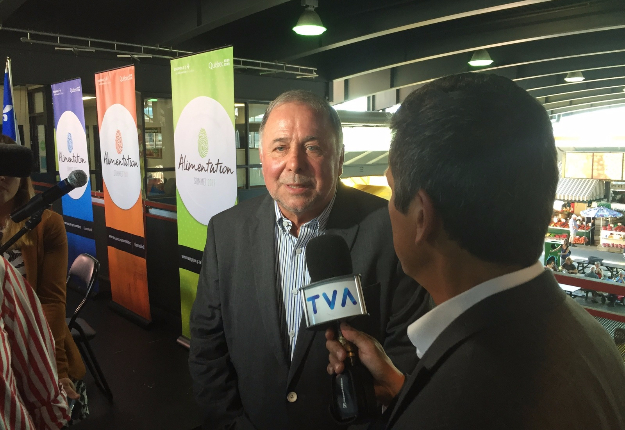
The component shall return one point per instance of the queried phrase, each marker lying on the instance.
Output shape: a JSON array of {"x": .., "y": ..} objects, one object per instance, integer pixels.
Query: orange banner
[{"x": 121, "y": 173}]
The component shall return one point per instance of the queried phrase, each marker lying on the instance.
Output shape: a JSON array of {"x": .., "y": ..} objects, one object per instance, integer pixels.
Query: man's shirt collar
[
  {"x": 425, "y": 330},
  {"x": 317, "y": 224}
]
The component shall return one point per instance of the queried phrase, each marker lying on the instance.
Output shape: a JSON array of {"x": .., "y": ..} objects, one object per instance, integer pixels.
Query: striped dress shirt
[
  {"x": 291, "y": 270},
  {"x": 30, "y": 395}
]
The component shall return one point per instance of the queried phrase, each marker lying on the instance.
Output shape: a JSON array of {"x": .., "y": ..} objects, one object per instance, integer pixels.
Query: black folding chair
[{"x": 81, "y": 277}]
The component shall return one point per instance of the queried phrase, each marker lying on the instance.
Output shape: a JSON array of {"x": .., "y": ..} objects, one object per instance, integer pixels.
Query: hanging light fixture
[
  {"x": 480, "y": 58},
  {"x": 574, "y": 77},
  {"x": 309, "y": 24}
]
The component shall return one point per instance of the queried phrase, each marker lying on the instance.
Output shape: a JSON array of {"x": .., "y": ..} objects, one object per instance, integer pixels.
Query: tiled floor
[{"x": 146, "y": 370}]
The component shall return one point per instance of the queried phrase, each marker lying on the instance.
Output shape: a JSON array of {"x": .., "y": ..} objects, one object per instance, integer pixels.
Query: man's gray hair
[{"x": 313, "y": 101}]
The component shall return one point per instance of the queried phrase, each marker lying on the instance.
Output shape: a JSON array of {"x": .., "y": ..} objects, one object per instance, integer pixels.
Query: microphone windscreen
[
  {"x": 77, "y": 178},
  {"x": 15, "y": 160},
  {"x": 328, "y": 256}
]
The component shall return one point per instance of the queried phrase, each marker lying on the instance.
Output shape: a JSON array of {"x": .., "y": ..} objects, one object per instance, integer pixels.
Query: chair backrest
[{"x": 81, "y": 277}]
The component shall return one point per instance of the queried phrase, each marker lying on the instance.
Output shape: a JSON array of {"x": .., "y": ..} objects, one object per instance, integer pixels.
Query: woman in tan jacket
[{"x": 41, "y": 257}]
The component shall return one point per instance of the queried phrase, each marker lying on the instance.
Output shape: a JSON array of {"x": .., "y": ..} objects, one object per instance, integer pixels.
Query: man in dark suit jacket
[
  {"x": 504, "y": 348},
  {"x": 247, "y": 371}
]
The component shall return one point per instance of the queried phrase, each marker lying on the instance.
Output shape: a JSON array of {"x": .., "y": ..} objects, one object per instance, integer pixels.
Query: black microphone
[
  {"x": 75, "y": 179},
  {"x": 335, "y": 294},
  {"x": 15, "y": 160}
]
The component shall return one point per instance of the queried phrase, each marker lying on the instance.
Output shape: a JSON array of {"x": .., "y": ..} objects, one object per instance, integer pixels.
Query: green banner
[{"x": 202, "y": 89}]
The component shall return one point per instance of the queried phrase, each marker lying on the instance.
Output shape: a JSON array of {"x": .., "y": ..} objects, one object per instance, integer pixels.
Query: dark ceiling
[{"x": 382, "y": 48}]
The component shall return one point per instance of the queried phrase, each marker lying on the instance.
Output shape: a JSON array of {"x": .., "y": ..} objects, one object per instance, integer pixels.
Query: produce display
[
  {"x": 557, "y": 236},
  {"x": 577, "y": 239},
  {"x": 565, "y": 224},
  {"x": 611, "y": 227}
]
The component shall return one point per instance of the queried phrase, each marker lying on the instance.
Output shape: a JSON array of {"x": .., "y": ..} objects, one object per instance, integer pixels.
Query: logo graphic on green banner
[
  {"x": 206, "y": 180},
  {"x": 202, "y": 143}
]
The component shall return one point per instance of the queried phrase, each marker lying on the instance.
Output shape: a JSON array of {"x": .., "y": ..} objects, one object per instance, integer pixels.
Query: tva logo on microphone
[{"x": 332, "y": 299}]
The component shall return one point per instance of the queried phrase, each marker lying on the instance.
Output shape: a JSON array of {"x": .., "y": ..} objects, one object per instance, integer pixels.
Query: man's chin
[{"x": 297, "y": 206}]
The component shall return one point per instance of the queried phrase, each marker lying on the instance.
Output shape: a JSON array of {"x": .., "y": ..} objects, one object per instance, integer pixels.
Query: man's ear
[
  {"x": 424, "y": 213},
  {"x": 341, "y": 160}
]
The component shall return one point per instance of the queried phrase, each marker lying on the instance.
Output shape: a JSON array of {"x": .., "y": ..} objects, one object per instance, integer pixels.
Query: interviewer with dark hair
[{"x": 504, "y": 348}]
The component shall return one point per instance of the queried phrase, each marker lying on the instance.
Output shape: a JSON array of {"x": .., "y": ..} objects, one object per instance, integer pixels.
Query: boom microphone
[
  {"x": 335, "y": 294},
  {"x": 75, "y": 179},
  {"x": 15, "y": 160}
]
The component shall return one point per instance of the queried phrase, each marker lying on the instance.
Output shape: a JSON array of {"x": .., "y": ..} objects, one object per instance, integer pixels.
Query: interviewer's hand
[
  {"x": 69, "y": 388},
  {"x": 387, "y": 379}
]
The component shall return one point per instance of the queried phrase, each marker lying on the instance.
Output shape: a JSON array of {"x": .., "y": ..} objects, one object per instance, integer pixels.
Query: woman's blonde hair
[{"x": 24, "y": 193}]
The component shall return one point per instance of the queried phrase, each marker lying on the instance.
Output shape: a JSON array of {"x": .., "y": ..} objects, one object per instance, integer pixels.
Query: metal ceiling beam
[
  {"x": 522, "y": 60},
  {"x": 384, "y": 21},
  {"x": 579, "y": 95},
  {"x": 557, "y": 79},
  {"x": 563, "y": 66},
  {"x": 537, "y": 66},
  {"x": 382, "y": 52},
  {"x": 583, "y": 101},
  {"x": 583, "y": 107},
  {"x": 578, "y": 110},
  {"x": 580, "y": 86}
]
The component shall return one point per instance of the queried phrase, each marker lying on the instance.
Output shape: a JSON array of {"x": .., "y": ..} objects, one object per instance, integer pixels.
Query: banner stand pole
[{"x": 184, "y": 342}]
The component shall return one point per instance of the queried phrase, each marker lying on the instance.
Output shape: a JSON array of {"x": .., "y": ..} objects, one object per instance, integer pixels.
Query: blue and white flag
[{"x": 9, "y": 124}]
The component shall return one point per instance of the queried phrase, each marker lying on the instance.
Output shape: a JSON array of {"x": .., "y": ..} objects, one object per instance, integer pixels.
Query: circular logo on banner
[
  {"x": 120, "y": 156},
  {"x": 205, "y": 158},
  {"x": 72, "y": 148}
]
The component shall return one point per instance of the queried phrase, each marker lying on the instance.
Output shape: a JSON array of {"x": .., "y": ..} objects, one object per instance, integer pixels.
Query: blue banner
[
  {"x": 73, "y": 154},
  {"x": 9, "y": 125}
]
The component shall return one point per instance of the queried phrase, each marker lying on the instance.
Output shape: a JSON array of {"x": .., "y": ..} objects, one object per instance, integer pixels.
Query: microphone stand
[{"x": 32, "y": 222}]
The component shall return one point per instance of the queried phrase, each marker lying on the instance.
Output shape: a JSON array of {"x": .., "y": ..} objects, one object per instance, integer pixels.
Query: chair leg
[
  {"x": 92, "y": 364},
  {"x": 107, "y": 389}
]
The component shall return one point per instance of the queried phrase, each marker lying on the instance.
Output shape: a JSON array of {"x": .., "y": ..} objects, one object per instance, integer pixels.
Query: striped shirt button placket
[{"x": 291, "y": 269}]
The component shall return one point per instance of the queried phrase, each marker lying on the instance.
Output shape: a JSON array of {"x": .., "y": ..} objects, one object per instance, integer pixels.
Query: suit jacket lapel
[
  {"x": 418, "y": 373},
  {"x": 261, "y": 238},
  {"x": 341, "y": 223}
]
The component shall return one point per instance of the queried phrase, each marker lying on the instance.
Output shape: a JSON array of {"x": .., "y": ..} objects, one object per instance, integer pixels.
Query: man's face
[
  {"x": 301, "y": 163},
  {"x": 404, "y": 233}
]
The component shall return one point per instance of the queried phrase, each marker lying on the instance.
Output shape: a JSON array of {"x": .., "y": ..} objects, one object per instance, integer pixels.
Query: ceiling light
[
  {"x": 309, "y": 24},
  {"x": 574, "y": 77},
  {"x": 88, "y": 97},
  {"x": 480, "y": 58}
]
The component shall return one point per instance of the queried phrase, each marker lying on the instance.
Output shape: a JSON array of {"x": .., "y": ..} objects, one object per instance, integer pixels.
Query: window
[{"x": 160, "y": 175}]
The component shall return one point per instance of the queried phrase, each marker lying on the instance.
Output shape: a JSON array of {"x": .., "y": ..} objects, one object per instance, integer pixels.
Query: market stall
[
  {"x": 559, "y": 229},
  {"x": 612, "y": 236},
  {"x": 582, "y": 236}
]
